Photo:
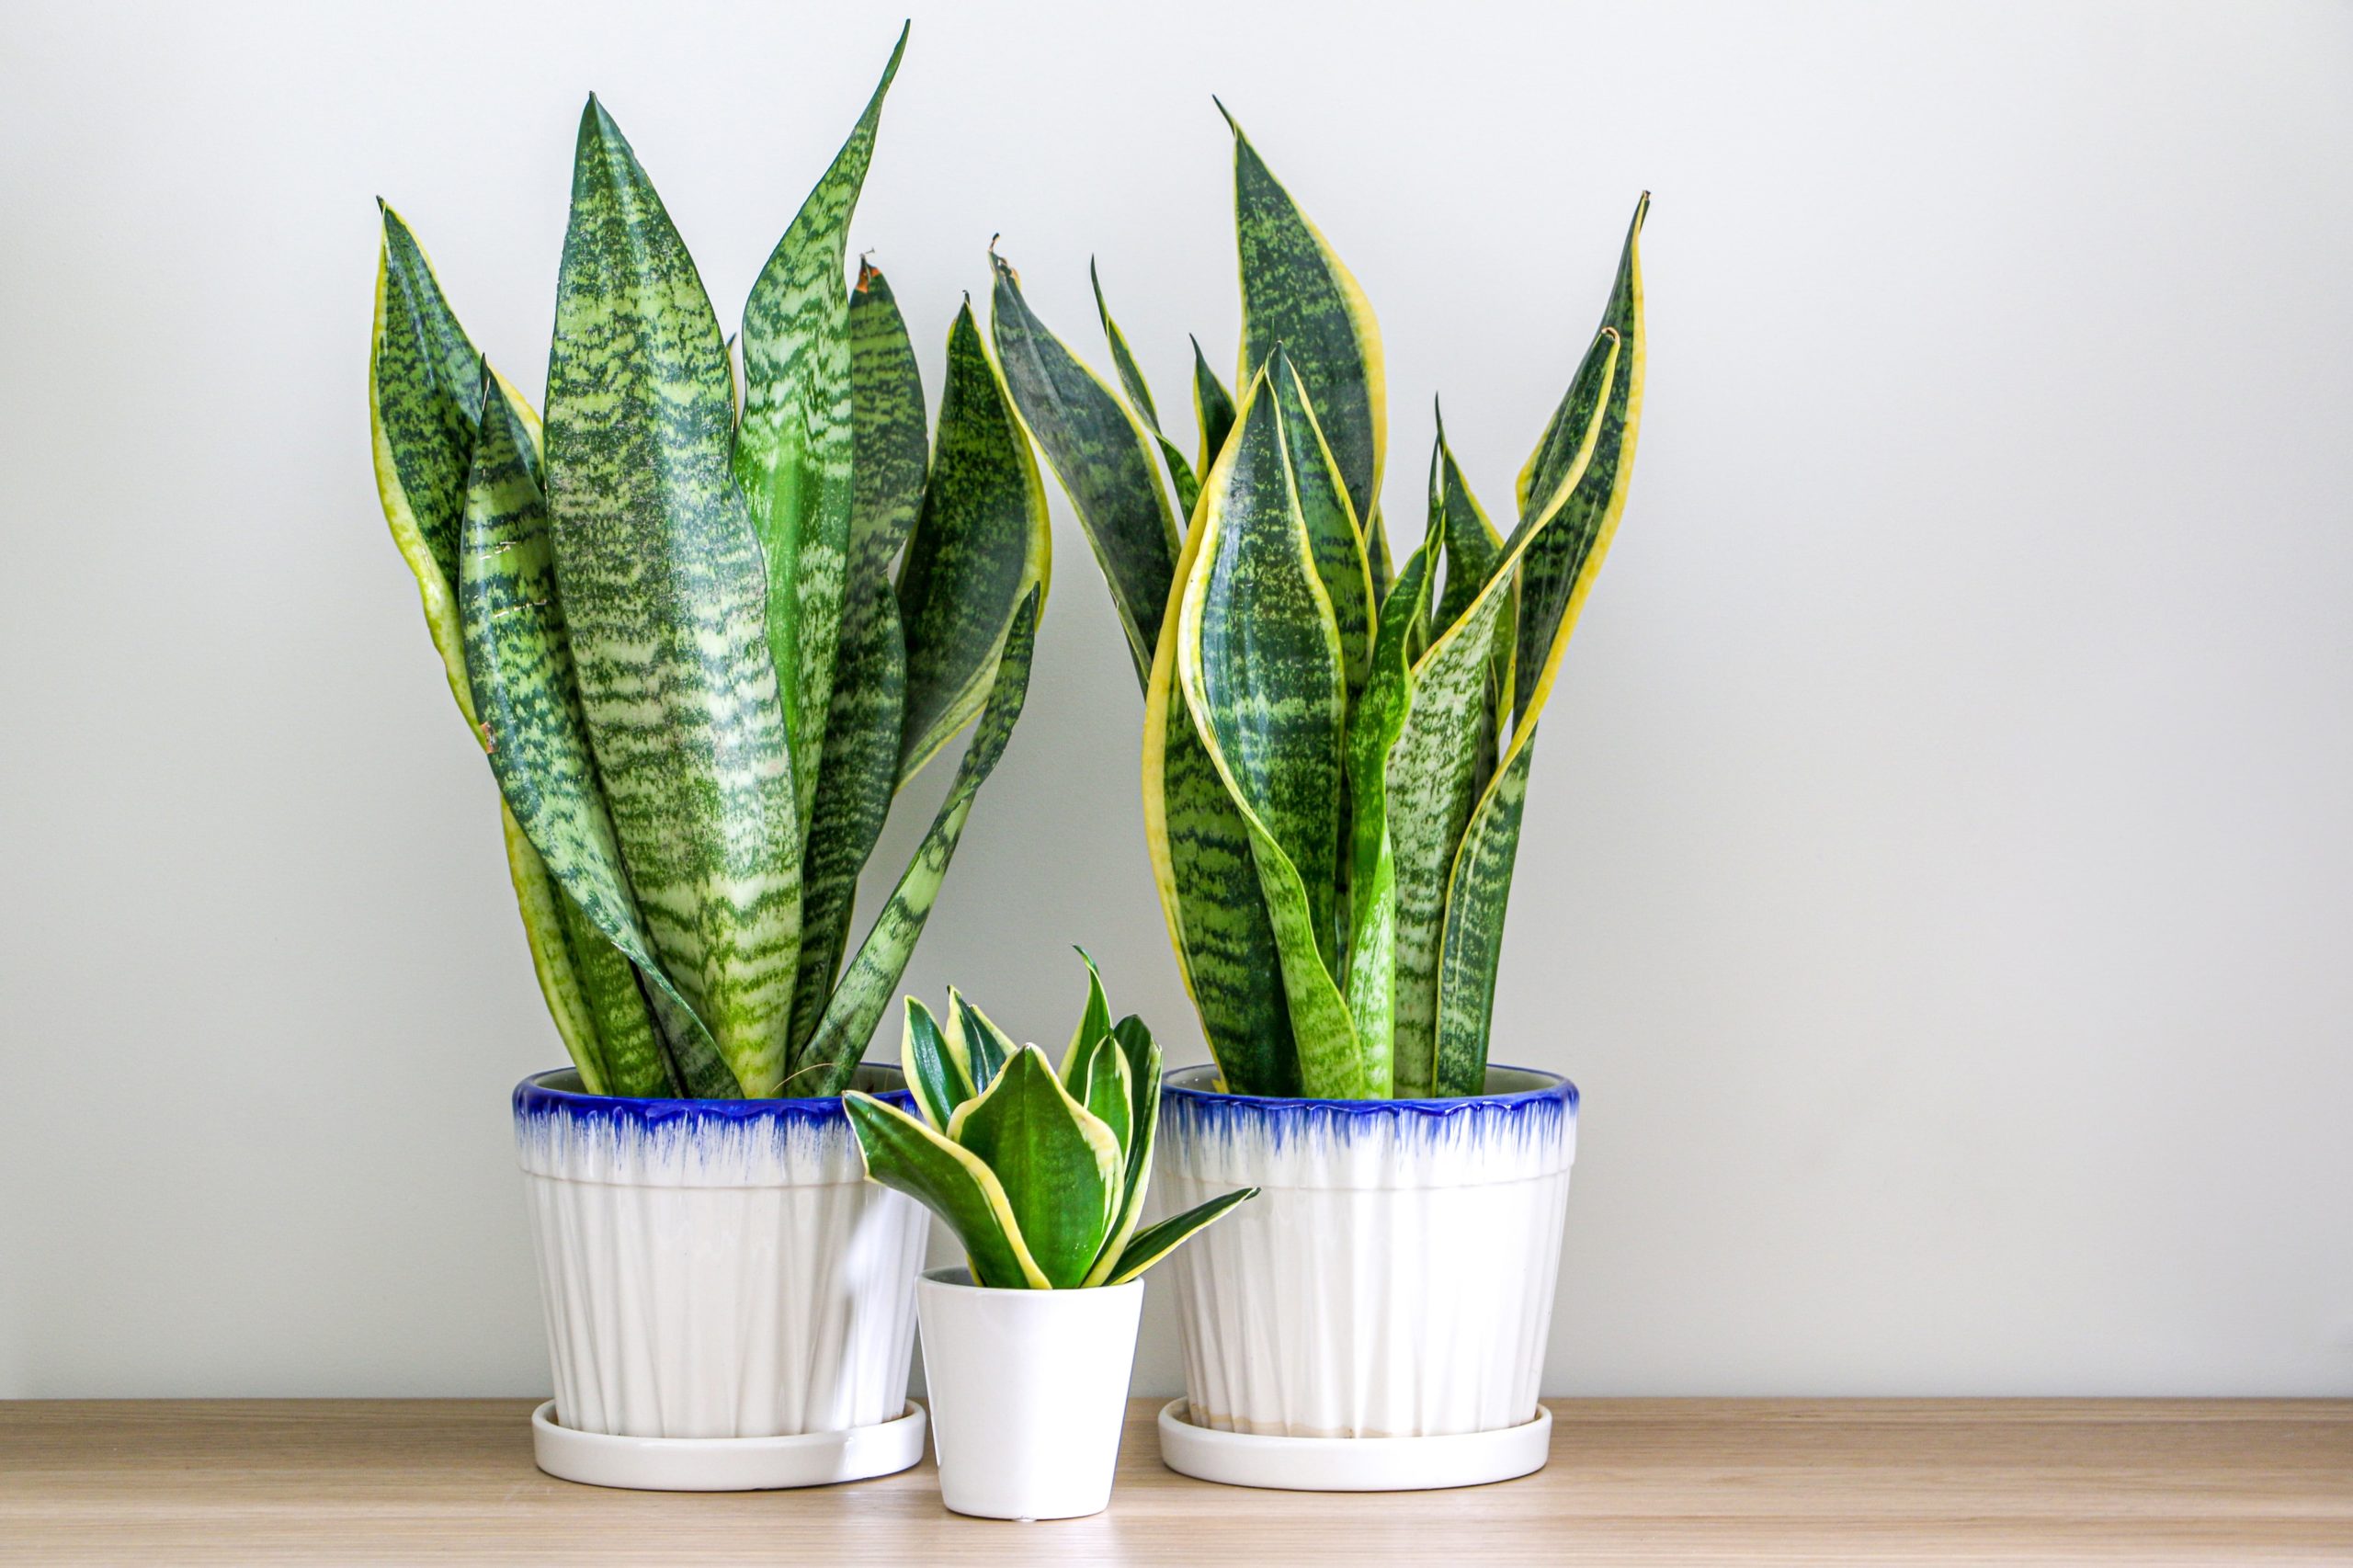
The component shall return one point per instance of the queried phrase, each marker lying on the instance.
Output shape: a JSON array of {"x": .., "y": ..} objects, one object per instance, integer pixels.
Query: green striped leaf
[
  {"x": 1458, "y": 526},
  {"x": 1260, "y": 666},
  {"x": 1370, "y": 983},
  {"x": 1143, "y": 1126},
  {"x": 520, "y": 667},
  {"x": 1102, "y": 456},
  {"x": 424, "y": 405},
  {"x": 664, "y": 598},
  {"x": 1094, "y": 1024},
  {"x": 1589, "y": 501},
  {"x": 861, "y": 771},
  {"x": 1471, "y": 944},
  {"x": 1472, "y": 545},
  {"x": 868, "y": 700},
  {"x": 1296, "y": 294},
  {"x": 634, "y": 1058},
  {"x": 973, "y": 1037},
  {"x": 978, "y": 549},
  {"x": 825, "y": 1065},
  {"x": 1596, "y": 491},
  {"x": 1181, "y": 473},
  {"x": 1104, "y": 1091},
  {"x": 1376, "y": 555},
  {"x": 1150, "y": 1246},
  {"x": 893, "y": 451},
  {"x": 903, "y": 1154},
  {"x": 1208, "y": 881},
  {"x": 1433, "y": 775},
  {"x": 1212, "y": 410},
  {"x": 1057, "y": 1162},
  {"x": 1333, "y": 539},
  {"x": 793, "y": 450},
  {"x": 941, "y": 1078},
  {"x": 552, "y": 928}
]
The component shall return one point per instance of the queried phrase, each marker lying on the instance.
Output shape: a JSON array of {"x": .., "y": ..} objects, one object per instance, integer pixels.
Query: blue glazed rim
[
  {"x": 1556, "y": 1086},
  {"x": 537, "y": 1096}
]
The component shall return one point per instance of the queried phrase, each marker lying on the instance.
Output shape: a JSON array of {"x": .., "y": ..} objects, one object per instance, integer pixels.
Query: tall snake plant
[
  {"x": 1335, "y": 751},
  {"x": 671, "y": 621}
]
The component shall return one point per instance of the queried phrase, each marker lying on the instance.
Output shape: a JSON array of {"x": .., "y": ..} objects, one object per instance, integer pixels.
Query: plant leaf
[
  {"x": 424, "y": 402},
  {"x": 856, "y": 1004},
  {"x": 903, "y": 1154},
  {"x": 1131, "y": 381},
  {"x": 869, "y": 701},
  {"x": 1458, "y": 526},
  {"x": 552, "y": 928},
  {"x": 984, "y": 1047},
  {"x": 794, "y": 449},
  {"x": 1212, "y": 410},
  {"x": 861, "y": 771},
  {"x": 1556, "y": 572},
  {"x": 1472, "y": 545},
  {"x": 888, "y": 442},
  {"x": 1208, "y": 881},
  {"x": 1332, "y": 539},
  {"x": 1260, "y": 666},
  {"x": 1370, "y": 983},
  {"x": 1149, "y": 1246},
  {"x": 940, "y": 1077},
  {"x": 1102, "y": 456},
  {"x": 1144, "y": 1075},
  {"x": 1136, "y": 1043},
  {"x": 1433, "y": 773},
  {"x": 1479, "y": 885},
  {"x": 1472, "y": 942},
  {"x": 1106, "y": 1092},
  {"x": 664, "y": 599},
  {"x": 1094, "y": 1024},
  {"x": 520, "y": 667},
  {"x": 424, "y": 405},
  {"x": 1296, "y": 294},
  {"x": 979, "y": 548},
  {"x": 1376, "y": 555},
  {"x": 1059, "y": 1163}
]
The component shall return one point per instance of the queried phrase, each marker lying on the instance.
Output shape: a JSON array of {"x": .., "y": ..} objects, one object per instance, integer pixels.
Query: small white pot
[
  {"x": 719, "y": 1268},
  {"x": 1394, "y": 1276},
  {"x": 1029, "y": 1392}
]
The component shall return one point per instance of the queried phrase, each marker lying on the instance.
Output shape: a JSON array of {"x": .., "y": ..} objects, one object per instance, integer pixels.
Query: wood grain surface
[{"x": 258, "y": 1481}]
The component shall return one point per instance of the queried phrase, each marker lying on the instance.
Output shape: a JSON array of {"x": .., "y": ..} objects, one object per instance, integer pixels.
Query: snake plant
[
  {"x": 1040, "y": 1173},
  {"x": 671, "y": 622},
  {"x": 1337, "y": 749}
]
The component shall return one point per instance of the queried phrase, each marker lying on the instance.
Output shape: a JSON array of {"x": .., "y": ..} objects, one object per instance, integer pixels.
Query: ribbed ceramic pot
[
  {"x": 1394, "y": 1276},
  {"x": 717, "y": 1269}
]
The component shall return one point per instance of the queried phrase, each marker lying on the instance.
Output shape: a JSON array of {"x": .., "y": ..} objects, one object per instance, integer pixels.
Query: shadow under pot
[
  {"x": 1376, "y": 1320},
  {"x": 730, "y": 1304}
]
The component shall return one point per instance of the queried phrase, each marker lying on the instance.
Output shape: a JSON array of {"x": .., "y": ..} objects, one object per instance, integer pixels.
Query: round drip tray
[
  {"x": 726, "y": 1464},
  {"x": 1352, "y": 1464}
]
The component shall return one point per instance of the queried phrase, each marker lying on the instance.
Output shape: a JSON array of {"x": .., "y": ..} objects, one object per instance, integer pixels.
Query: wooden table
[{"x": 252, "y": 1482}]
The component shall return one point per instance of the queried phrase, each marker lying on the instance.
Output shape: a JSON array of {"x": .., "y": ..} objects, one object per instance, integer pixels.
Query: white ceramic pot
[
  {"x": 1393, "y": 1278},
  {"x": 718, "y": 1268},
  {"x": 1029, "y": 1392}
]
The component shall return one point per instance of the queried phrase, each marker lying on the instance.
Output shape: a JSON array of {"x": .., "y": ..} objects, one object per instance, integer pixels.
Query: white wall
[{"x": 1939, "y": 874}]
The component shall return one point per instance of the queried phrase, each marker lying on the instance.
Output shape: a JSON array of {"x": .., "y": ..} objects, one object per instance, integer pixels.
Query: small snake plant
[
  {"x": 671, "y": 622},
  {"x": 1041, "y": 1174},
  {"x": 1335, "y": 751}
]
